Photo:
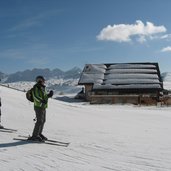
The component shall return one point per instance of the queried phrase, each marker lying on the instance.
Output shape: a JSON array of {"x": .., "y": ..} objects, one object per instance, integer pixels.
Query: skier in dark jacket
[{"x": 40, "y": 97}]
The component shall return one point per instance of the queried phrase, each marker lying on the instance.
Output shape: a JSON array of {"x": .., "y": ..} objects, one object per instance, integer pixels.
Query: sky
[{"x": 67, "y": 33}]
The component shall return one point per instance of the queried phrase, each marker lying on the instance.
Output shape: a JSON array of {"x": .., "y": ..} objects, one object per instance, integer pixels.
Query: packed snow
[{"x": 102, "y": 137}]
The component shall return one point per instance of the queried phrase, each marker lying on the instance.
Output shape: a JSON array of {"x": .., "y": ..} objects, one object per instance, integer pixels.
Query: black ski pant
[
  {"x": 0, "y": 114},
  {"x": 40, "y": 121}
]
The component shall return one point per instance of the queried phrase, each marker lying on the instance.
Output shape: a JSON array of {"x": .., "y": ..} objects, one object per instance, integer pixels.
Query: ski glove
[
  {"x": 44, "y": 102},
  {"x": 50, "y": 94}
]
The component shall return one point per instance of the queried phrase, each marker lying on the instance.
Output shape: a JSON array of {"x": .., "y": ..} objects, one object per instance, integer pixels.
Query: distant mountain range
[
  {"x": 57, "y": 80},
  {"x": 2, "y": 75},
  {"x": 30, "y": 75},
  {"x": 166, "y": 76}
]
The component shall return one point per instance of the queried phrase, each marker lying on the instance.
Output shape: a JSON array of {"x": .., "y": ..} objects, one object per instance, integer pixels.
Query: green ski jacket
[{"x": 40, "y": 96}]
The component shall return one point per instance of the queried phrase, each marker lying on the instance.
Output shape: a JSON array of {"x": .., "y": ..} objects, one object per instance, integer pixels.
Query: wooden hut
[{"x": 134, "y": 83}]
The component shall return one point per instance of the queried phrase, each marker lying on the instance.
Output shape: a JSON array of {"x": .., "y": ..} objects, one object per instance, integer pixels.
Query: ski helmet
[{"x": 40, "y": 79}]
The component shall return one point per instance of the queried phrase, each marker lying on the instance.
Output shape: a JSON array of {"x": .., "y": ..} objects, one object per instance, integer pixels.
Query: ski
[
  {"x": 8, "y": 129},
  {"x": 39, "y": 142},
  {"x": 49, "y": 140}
]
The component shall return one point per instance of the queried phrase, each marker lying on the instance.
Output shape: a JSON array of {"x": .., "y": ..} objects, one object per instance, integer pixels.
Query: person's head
[{"x": 40, "y": 79}]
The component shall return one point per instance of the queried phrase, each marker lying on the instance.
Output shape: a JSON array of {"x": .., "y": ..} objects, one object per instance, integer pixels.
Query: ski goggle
[{"x": 40, "y": 80}]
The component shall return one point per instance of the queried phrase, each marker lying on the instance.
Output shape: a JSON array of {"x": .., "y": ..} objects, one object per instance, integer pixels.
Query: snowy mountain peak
[
  {"x": 30, "y": 75},
  {"x": 166, "y": 80},
  {"x": 166, "y": 76}
]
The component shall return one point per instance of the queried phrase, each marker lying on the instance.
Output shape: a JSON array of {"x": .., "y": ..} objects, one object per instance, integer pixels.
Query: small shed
[{"x": 135, "y": 83}]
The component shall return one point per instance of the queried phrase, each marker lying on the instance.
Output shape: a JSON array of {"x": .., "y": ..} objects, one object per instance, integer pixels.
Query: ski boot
[{"x": 43, "y": 137}]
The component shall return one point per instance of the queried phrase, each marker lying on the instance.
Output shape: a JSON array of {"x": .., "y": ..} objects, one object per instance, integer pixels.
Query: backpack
[{"x": 29, "y": 95}]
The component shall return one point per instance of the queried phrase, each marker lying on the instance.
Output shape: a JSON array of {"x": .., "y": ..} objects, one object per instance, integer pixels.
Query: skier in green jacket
[{"x": 40, "y": 97}]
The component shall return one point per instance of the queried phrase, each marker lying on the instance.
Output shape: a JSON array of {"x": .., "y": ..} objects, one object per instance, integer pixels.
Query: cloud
[
  {"x": 125, "y": 32},
  {"x": 34, "y": 20},
  {"x": 27, "y": 23},
  {"x": 166, "y": 36},
  {"x": 166, "y": 49}
]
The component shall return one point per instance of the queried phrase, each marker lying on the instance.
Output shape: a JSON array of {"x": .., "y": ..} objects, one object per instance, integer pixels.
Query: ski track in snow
[{"x": 102, "y": 137}]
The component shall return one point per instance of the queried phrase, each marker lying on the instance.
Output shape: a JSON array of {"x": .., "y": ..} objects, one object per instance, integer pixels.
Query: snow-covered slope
[{"x": 103, "y": 137}]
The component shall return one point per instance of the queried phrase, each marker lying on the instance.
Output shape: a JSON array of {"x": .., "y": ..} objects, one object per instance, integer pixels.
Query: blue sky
[{"x": 68, "y": 33}]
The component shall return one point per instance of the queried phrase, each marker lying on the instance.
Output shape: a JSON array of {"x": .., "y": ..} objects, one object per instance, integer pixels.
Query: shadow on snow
[{"x": 13, "y": 144}]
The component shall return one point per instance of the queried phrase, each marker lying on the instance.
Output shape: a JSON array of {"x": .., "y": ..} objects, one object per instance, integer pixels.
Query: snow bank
[{"x": 103, "y": 137}]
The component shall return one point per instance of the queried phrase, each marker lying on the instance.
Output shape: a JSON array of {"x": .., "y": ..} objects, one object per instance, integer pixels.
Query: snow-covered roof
[
  {"x": 131, "y": 66},
  {"x": 95, "y": 69},
  {"x": 130, "y": 75},
  {"x": 130, "y": 70},
  {"x": 129, "y": 86},
  {"x": 122, "y": 76},
  {"x": 92, "y": 78},
  {"x": 131, "y": 81}
]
